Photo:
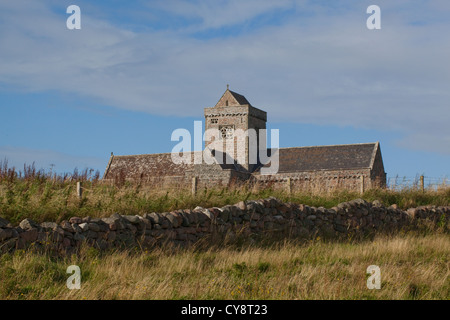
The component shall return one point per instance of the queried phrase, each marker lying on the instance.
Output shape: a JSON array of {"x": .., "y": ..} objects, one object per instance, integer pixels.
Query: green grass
[
  {"x": 55, "y": 200},
  {"x": 412, "y": 267},
  {"x": 43, "y": 196}
]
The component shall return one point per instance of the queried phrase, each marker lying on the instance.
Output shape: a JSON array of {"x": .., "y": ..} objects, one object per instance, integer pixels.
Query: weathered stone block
[
  {"x": 5, "y": 234},
  {"x": 76, "y": 220},
  {"x": 27, "y": 224},
  {"x": 66, "y": 226},
  {"x": 93, "y": 227},
  {"x": 172, "y": 217}
]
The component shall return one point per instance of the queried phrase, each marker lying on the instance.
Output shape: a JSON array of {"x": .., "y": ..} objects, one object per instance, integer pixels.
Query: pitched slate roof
[
  {"x": 135, "y": 166},
  {"x": 337, "y": 157},
  {"x": 152, "y": 165},
  {"x": 239, "y": 98},
  {"x": 233, "y": 98}
]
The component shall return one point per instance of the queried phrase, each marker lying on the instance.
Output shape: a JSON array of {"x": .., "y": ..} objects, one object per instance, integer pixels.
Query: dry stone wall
[{"x": 262, "y": 218}]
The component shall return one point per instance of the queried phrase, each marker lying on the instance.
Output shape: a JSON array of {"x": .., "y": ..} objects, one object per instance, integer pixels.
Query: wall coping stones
[{"x": 265, "y": 217}]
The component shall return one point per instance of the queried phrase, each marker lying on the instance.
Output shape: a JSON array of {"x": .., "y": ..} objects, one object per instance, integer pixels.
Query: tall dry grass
[
  {"x": 46, "y": 196},
  {"x": 412, "y": 267}
]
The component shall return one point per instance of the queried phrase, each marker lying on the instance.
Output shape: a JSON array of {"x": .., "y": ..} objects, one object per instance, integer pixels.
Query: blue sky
[{"x": 137, "y": 70}]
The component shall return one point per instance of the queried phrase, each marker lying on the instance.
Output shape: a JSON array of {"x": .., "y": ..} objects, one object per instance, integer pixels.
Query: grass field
[
  {"x": 413, "y": 265},
  {"x": 42, "y": 196}
]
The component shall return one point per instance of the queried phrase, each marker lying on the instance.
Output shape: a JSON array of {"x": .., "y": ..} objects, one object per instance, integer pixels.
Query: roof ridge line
[
  {"x": 331, "y": 145},
  {"x": 152, "y": 154}
]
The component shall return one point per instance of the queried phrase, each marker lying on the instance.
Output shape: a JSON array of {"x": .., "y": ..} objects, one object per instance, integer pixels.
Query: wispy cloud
[
  {"x": 222, "y": 13},
  {"x": 321, "y": 67}
]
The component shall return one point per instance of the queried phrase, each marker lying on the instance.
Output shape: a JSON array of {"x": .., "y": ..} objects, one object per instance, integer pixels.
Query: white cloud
[
  {"x": 222, "y": 13},
  {"x": 326, "y": 68}
]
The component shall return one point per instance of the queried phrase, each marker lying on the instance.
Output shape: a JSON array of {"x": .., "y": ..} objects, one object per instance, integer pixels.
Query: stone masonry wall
[
  {"x": 263, "y": 218},
  {"x": 316, "y": 180}
]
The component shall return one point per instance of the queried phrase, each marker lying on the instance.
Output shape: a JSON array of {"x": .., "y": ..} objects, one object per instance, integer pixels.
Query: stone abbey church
[{"x": 352, "y": 166}]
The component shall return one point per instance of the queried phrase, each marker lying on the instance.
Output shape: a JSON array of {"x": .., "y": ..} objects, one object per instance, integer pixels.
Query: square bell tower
[{"x": 232, "y": 115}]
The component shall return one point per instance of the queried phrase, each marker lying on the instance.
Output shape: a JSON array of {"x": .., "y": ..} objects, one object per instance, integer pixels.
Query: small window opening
[{"x": 227, "y": 132}]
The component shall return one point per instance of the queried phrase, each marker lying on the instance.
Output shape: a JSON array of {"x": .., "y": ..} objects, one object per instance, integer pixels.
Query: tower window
[
  {"x": 214, "y": 120},
  {"x": 226, "y": 103},
  {"x": 227, "y": 132}
]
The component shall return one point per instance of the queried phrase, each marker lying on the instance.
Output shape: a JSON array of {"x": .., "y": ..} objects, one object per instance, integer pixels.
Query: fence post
[
  {"x": 79, "y": 189},
  {"x": 362, "y": 184},
  {"x": 289, "y": 185},
  {"x": 422, "y": 184},
  {"x": 194, "y": 185}
]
